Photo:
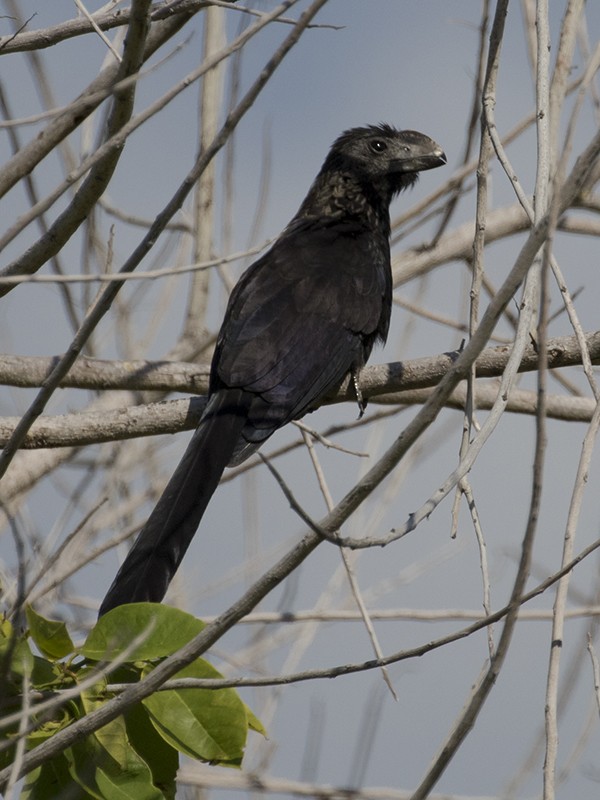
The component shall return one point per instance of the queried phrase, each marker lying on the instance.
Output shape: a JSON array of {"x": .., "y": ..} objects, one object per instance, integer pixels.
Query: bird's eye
[{"x": 378, "y": 145}]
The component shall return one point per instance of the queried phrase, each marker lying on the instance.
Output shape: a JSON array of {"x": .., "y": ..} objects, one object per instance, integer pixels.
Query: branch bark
[{"x": 401, "y": 383}]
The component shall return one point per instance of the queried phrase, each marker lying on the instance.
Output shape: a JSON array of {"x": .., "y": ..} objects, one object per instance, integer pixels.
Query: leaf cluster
[{"x": 136, "y": 756}]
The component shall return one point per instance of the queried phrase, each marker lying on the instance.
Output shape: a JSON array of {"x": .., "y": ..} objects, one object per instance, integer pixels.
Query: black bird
[{"x": 300, "y": 319}]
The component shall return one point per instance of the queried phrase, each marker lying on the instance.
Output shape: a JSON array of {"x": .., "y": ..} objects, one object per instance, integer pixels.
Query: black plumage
[{"x": 299, "y": 320}]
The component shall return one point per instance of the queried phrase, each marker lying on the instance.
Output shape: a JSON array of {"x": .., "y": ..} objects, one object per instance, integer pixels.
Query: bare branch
[{"x": 387, "y": 383}]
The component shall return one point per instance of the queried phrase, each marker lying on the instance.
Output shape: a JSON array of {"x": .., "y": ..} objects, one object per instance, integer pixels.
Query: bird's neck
[{"x": 341, "y": 195}]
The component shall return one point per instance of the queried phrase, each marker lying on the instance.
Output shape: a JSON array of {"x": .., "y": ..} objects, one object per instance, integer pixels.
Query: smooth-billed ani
[{"x": 299, "y": 320}]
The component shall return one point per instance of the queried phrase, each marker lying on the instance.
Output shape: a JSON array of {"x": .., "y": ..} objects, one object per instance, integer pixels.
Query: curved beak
[{"x": 419, "y": 153}]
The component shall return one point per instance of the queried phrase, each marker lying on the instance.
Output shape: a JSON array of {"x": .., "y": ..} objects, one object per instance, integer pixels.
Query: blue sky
[{"x": 410, "y": 64}]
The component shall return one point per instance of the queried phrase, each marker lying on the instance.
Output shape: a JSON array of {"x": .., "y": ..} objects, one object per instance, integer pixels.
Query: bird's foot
[{"x": 362, "y": 403}]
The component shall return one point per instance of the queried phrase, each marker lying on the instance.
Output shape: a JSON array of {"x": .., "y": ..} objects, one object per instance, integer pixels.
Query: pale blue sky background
[{"x": 409, "y": 63}]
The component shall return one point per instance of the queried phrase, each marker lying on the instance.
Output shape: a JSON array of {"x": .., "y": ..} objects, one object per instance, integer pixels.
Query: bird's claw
[{"x": 362, "y": 403}]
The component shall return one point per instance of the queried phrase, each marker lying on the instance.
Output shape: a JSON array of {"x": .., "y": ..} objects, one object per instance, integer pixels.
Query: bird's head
[
  {"x": 378, "y": 152},
  {"x": 363, "y": 171}
]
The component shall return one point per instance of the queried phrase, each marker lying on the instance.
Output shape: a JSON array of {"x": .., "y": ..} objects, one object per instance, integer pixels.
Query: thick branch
[
  {"x": 402, "y": 383},
  {"x": 80, "y": 26},
  {"x": 29, "y": 372},
  {"x": 97, "y": 374}
]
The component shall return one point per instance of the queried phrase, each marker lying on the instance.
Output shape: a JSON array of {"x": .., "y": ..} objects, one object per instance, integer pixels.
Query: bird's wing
[{"x": 302, "y": 317}]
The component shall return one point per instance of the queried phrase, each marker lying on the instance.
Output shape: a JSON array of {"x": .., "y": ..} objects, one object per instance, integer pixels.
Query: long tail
[{"x": 161, "y": 544}]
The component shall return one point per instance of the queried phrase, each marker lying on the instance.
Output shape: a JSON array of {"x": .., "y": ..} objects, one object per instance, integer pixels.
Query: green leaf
[
  {"x": 63, "y": 717},
  {"x": 132, "y": 740},
  {"x": 50, "y": 636},
  {"x": 82, "y": 764},
  {"x": 7, "y": 737},
  {"x": 162, "y": 759},
  {"x": 254, "y": 724},
  {"x": 119, "y": 760},
  {"x": 112, "y": 772},
  {"x": 112, "y": 736},
  {"x": 167, "y": 629},
  {"x": 16, "y": 648},
  {"x": 117, "y": 786},
  {"x": 50, "y": 781},
  {"x": 210, "y": 725},
  {"x": 46, "y": 674}
]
